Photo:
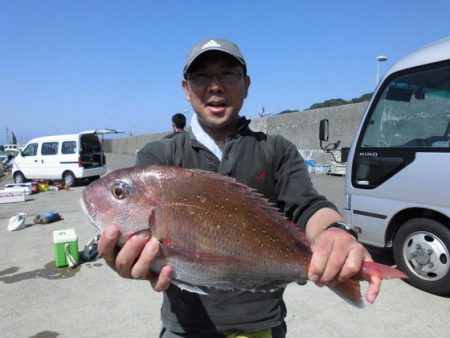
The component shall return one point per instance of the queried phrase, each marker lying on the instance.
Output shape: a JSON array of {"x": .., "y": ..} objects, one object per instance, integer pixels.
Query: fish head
[{"x": 124, "y": 197}]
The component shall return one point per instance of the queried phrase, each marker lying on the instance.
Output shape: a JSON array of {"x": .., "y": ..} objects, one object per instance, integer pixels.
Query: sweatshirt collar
[{"x": 202, "y": 137}]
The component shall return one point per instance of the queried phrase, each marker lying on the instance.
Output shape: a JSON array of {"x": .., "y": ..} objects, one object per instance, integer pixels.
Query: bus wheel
[{"x": 421, "y": 250}]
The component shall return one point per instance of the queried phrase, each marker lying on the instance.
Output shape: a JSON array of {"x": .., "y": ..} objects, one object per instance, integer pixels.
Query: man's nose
[{"x": 214, "y": 82}]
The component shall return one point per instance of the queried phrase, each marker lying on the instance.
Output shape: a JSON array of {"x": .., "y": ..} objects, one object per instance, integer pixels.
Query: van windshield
[{"x": 30, "y": 150}]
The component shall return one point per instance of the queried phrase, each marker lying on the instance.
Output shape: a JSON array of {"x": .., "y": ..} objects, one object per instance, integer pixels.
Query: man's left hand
[{"x": 337, "y": 256}]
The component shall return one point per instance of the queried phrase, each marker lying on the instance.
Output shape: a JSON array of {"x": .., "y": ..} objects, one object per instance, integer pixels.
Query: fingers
[
  {"x": 373, "y": 289},
  {"x": 130, "y": 254},
  {"x": 162, "y": 281},
  {"x": 107, "y": 244},
  {"x": 135, "y": 258},
  {"x": 337, "y": 256},
  {"x": 353, "y": 262},
  {"x": 141, "y": 268},
  {"x": 321, "y": 250}
]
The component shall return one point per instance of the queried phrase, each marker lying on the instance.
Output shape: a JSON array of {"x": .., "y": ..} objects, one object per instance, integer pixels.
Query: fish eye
[{"x": 120, "y": 190}]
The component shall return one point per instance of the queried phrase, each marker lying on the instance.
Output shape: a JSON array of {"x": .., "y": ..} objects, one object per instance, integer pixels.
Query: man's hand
[
  {"x": 135, "y": 258},
  {"x": 337, "y": 256}
]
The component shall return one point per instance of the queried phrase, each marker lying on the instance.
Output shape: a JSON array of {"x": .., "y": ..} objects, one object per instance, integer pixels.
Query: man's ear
[
  {"x": 247, "y": 85},
  {"x": 185, "y": 86}
]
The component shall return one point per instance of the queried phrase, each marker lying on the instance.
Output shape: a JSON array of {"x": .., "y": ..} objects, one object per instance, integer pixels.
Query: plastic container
[
  {"x": 322, "y": 169},
  {"x": 11, "y": 196},
  {"x": 43, "y": 186},
  {"x": 310, "y": 165},
  {"x": 65, "y": 248},
  {"x": 26, "y": 187}
]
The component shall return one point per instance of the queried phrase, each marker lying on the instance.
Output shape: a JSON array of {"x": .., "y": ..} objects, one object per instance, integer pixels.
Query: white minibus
[{"x": 398, "y": 169}]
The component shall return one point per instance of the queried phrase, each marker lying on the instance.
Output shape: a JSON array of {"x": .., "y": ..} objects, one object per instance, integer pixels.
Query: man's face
[{"x": 216, "y": 88}]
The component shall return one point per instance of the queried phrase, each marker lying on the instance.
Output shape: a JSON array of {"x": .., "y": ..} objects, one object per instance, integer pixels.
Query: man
[
  {"x": 178, "y": 125},
  {"x": 216, "y": 84}
]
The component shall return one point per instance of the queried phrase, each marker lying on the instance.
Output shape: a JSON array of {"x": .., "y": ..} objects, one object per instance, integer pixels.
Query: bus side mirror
[{"x": 323, "y": 130}]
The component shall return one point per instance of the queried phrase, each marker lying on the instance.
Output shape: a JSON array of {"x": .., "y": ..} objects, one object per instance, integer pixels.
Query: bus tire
[{"x": 421, "y": 250}]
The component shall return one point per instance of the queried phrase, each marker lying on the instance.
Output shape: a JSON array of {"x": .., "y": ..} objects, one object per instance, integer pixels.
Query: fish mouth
[{"x": 90, "y": 212}]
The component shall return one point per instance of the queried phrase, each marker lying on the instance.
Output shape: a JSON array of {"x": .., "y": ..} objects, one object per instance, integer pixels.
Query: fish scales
[
  {"x": 213, "y": 230},
  {"x": 221, "y": 216}
]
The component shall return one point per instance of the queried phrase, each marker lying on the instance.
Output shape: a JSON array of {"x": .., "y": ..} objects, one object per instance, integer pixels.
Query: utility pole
[{"x": 380, "y": 59}]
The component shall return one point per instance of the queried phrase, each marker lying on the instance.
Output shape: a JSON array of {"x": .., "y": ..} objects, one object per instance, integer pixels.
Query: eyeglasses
[{"x": 228, "y": 77}]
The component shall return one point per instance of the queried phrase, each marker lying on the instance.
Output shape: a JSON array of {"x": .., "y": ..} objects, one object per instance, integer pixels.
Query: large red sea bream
[{"x": 213, "y": 231}]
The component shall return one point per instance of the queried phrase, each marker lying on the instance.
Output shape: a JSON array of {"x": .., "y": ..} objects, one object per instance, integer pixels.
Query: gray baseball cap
[{"x": 221, "y": 45}]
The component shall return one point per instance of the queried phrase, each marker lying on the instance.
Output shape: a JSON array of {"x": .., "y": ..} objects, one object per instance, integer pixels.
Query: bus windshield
[{"x": 412, "y": 111}]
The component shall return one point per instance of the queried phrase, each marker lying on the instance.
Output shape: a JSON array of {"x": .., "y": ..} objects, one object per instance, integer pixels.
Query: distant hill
[
  {"x": 339, "y": 102},
  {"x": 332, "y": 103}
]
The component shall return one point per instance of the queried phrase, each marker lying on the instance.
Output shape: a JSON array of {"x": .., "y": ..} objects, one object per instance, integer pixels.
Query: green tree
[{"x": 339, "y": 102}]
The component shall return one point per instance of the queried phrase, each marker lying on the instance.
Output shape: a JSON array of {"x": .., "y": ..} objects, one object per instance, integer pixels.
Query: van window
[
  {"x": 30, "y": 150},
  {"x": 90, "y": 144},
  {"x": 49, "y": 148},
  {"x": 69, "y": 147}
]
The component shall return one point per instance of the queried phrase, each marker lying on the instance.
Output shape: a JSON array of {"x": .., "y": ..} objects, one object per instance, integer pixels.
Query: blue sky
[{"x": 68, "y": 66}]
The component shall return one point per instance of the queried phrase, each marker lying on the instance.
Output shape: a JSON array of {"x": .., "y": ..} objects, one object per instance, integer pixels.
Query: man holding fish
[{"x": 216, "y": 84}]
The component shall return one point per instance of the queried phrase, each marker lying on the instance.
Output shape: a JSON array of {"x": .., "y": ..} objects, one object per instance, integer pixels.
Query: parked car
[
  {"x": 62, "y": 157},
  {"x": 6, "y": 160},
  {"x": 3, "y": 156},
  {"x": 12, "y": 149}
]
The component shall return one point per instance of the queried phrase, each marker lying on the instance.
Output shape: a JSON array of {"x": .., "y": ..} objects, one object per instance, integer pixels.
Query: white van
[{"x": 62, "y": 157}]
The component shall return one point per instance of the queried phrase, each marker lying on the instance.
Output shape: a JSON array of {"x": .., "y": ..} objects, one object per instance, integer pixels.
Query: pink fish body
[{"x": 213, "y": 231}]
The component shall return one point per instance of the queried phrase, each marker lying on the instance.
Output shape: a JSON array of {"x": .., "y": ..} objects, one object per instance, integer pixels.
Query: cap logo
[{"x": 210, "y": 43}]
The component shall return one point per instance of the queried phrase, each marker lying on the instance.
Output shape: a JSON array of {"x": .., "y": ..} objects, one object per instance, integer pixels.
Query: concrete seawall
[{"x": 301, "y": 128}]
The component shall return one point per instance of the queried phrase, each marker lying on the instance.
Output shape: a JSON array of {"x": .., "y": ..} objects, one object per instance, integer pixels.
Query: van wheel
[
  {"x": 19, "y": 177},
  {"x": 421, "y": 250},
  {"x": 69, "y": 179}
]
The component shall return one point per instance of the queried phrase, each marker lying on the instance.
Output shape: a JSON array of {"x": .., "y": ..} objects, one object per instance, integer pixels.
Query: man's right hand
[{"x": 135, "y": 258}]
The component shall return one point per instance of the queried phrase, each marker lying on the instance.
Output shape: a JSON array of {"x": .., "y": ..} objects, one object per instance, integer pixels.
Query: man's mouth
[
  {"x": 217, "y": 104},
  {"x": 217, "y": 107}
]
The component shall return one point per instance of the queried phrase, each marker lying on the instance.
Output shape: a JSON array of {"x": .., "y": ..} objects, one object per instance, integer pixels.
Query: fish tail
[
  {"x": 381, "y": 271},
  {"x": 350, "y": 291}
]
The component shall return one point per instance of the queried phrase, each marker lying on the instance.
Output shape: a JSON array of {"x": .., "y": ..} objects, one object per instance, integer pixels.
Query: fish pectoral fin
[
  {"x": 188, "y": 287},
  {"x": 193, "y": 256},
  {"x": 272, "y": 286}
]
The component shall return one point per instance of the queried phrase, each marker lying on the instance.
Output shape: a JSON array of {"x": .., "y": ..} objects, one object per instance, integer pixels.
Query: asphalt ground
[{"x": 39, "y": 300}]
